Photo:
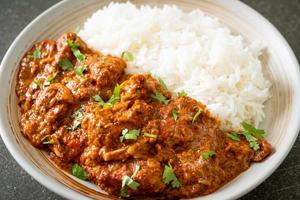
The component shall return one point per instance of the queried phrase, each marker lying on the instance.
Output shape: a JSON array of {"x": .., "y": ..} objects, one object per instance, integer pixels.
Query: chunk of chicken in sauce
[{"x": 83, "y": 117}]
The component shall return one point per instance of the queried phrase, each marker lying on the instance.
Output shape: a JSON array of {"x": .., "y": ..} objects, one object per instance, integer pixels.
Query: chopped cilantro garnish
[
  {"x": 74, "y": 47},
  {"x": 37, "y": 83},
  {"x": 79, "y": 172},
  {"x": 129, "y": 182},
  {"x": 234, "y": 136},
  {"x": 100, "y": 101},
  {"x": 206, "y": 155},
  {"x": 65, "y": 64},
  {"x": 116, "y": 95},
  {"x": 77, "y": 116},
  {"x": 175, "y": 114},
  {"x": 162, "y": 83},
  {"x": 182, "y": 93},
  {"x": 127, "y": 56},
  {"x": 79, "y": 71},
  {"x": 37, "y": 53},
  {"x": 170, "y": 177},
  {"x": 51, "y": 79},
  {"x": 199, "y": 111},
  {"x": 150, "y": 135},
  {"x": 129, "y": 135},
  {"x": 47, "y": 140},
  {"x": 158, "y": 96},
  {"x": 251, "y": 134}
]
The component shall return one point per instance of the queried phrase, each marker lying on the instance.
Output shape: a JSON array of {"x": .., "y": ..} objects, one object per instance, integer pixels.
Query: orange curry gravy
[{"x": 50, "y": 99}]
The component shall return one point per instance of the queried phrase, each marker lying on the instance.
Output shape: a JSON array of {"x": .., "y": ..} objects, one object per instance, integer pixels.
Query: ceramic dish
[{"x": 282, "y": 110}]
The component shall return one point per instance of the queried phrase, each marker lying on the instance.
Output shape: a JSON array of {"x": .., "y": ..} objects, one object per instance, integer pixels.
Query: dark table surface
[{"x": 15, "y": 183}]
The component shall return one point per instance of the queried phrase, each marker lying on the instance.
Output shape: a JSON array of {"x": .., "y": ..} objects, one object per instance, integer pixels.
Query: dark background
[{"x": 15, "y": 183}]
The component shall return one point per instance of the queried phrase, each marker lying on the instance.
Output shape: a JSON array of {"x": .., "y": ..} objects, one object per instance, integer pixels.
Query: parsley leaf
[
  {"x": 206, "y": 155},
  {"x": 234, "y": 136},
  {"x": 74, "y": 47},
  {"x": 196, "y": 115},
  {"x": 158, "y": 96},
  {"x": 150, "y": 135},
  {"x": 182, "y": 93},
  {"x": 128, "y": 181},
  {"x": 77, "y": 116},
  {"x": 129, "y": 135},
  {"x": 127, "y": 56},
  {"x": 47, "y": 140},
  {"x": 79, "y": 172},
  {"x": 175, "y": 114},
  {"x": 170, "y": 177},
  {"x": 65, "y": 64},
  {"x": 162, "y": 83},
  {"x": 79, "y": 71}
]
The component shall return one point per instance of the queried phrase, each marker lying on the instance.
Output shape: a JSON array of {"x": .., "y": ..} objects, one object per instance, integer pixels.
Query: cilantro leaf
[
  {"x": 234, "y": 136},
  {"x": 47, "y": 140},
  {"x": 79, "y": 172},
  {"x": 116, "y": 95},
  {"x": 128, "y": 181},
  {"x": 206, "y": 155},
  {"x": 158, "y": 96},
  {"x": 129, "y": 135},
  {"x": 254, "y": 145},
  {"x": 162, "y": 83},
  {"x": 170, "y": 177},
  {"x": 51, "y": 79},
  {"x": 79, "y": 71},
  {"x": 175, "y": 114},
  {"x": 37, "y": 53},
  {"x": 258, "y": 133},
  {"x": 77, "y": 116},
  {"x": 182, "y": 93},
  {"x": 127, "y": 56},
  {"x": 199, "y": 111},
  {"x": 74, "y": 47},
  {"x": 65, "y": 64},
  {"x": 37, "y": 83},
  {"x": 100, "y": 101},
  {"x": 150, "y": 135}
]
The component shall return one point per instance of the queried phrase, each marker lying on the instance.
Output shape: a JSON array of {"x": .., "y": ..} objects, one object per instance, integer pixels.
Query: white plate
[{"x": 281, "y": 67}]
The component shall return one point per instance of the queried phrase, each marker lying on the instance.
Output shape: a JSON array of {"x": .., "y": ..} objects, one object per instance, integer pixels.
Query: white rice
[{"x": 189, "y": 51}]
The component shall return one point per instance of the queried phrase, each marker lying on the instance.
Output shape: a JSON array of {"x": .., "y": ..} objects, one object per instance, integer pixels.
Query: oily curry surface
[{"x": 127, "y": 133}]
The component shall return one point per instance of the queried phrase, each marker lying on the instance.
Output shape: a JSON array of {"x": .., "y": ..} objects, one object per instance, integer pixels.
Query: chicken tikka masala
[{"x": 127, "y": 133}]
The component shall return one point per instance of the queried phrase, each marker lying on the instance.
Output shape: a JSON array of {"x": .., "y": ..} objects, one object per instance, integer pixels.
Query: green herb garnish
[
  {"x": 65, "y": 64},
  {"x": 170, "y": 177},
  {"x": 206, "y": 155},
  {"x": 127, "y": 56},
  {"x": 100, "y": 101},
  {"x": 75, "y": 49},
  {"x": 251, "y": 134},
  {"x": 129, "y": 135},
  {"x": 77, "y": 116},
  {"x": 51, "y": 79},
  {"x": 158, "y": 96},
  {"x": 47, "y": 140},
  {"x": 182, "y": 93},
  {"x": 150, "y": 135},
  {"x": 175, "y": 114},
  {"x": 199, "y": 111},
  {"x": 129, "y": 182},
  {"x": 234, "y": 136},
  {"x": 116, "y": 95},
  {"x": 79, "y": 172},
  {"x": 37, "y": 83},
  {"x": 37, "y": 53},
  {"x": 79, "y": 71},
  {"x": 162, "y": 83}
]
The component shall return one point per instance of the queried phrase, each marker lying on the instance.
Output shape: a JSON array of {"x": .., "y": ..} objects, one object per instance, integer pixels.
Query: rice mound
[{"x": 189, "y": 51}]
